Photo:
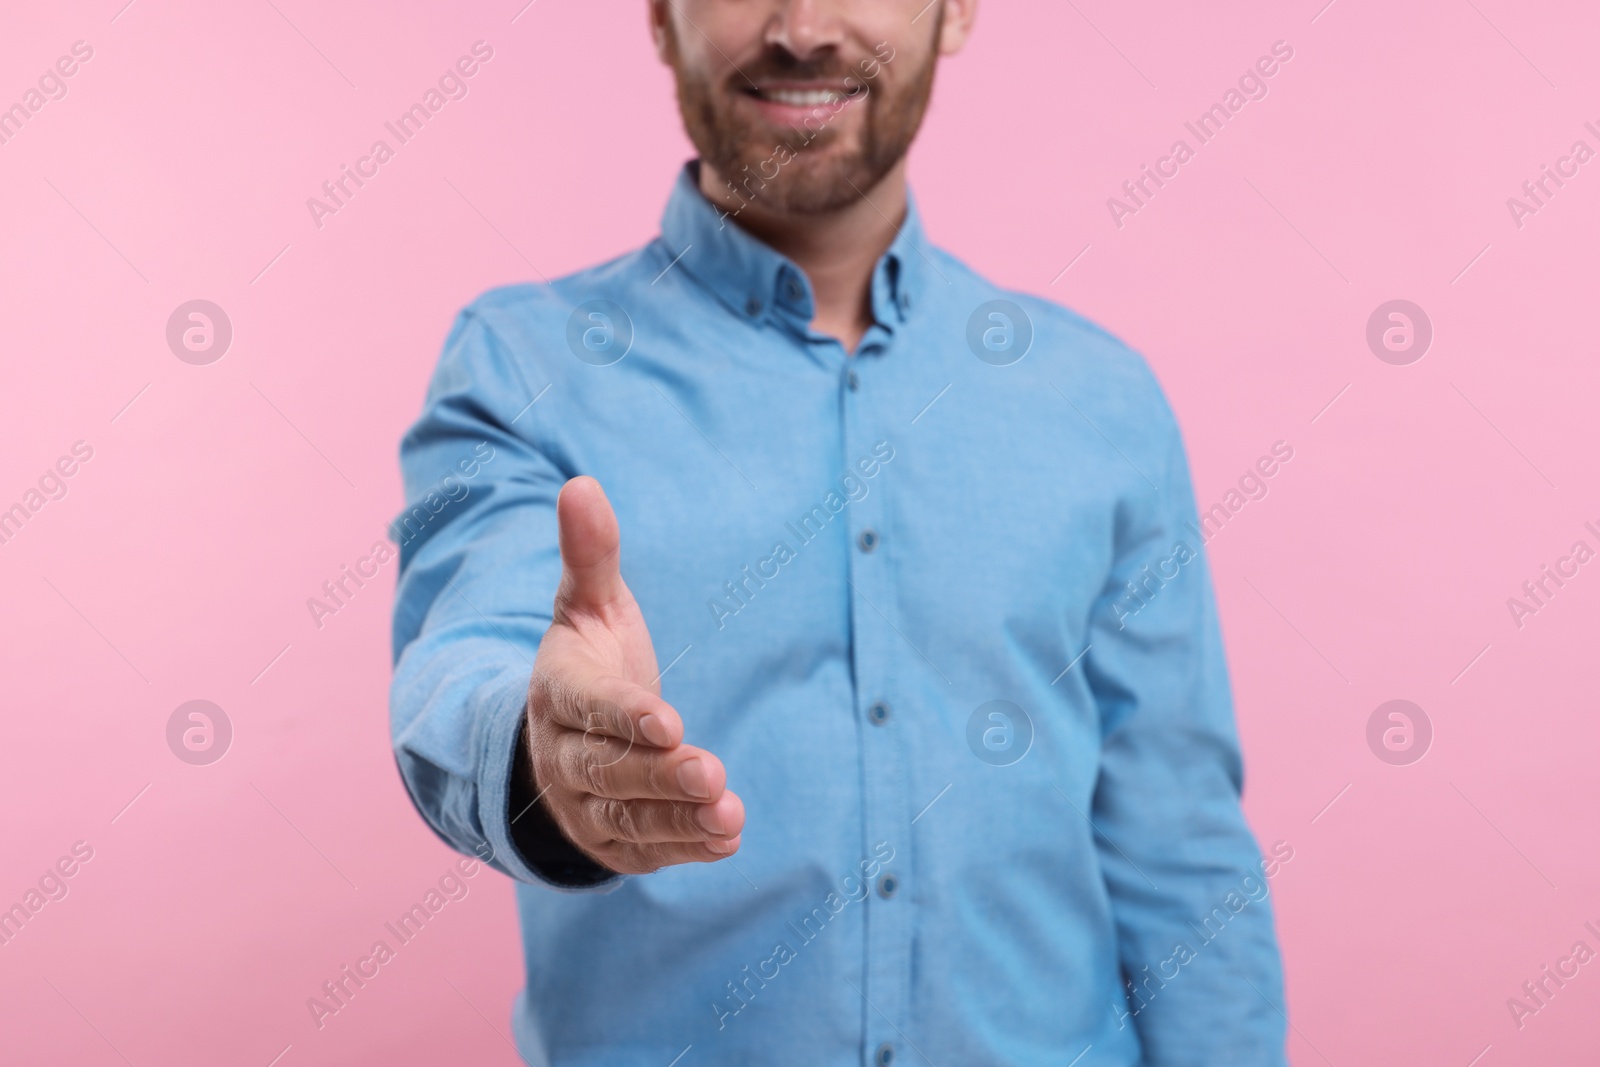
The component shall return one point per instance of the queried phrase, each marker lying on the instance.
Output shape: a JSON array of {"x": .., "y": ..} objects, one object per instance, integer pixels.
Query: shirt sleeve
[
  {"x": 479, "y": 565},
  {"x": 1187, "y": 883}
]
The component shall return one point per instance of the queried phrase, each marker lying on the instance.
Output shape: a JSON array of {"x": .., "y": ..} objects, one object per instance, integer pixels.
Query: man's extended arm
[
  {"x": 535, "y": 739},
  {"x": 479, "y": 566}
]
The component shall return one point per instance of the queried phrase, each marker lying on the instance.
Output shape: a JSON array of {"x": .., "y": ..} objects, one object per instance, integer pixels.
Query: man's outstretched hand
[{"x": 608, "y": 760}]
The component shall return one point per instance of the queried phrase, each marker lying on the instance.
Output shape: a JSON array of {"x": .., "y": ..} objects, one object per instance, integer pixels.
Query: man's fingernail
[
  {"x": 655, "y": 731},
  {"x": 706, "y": 815},
  {"x": 727, "y": 847},
  {"x": 692, "y": 777}
]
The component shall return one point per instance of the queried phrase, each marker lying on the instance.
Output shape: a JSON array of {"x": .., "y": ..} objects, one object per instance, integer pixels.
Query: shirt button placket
[{"x": 878, "y": 654}]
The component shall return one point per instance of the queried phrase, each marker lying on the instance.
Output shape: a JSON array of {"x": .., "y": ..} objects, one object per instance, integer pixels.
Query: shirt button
[
  {"x": 884, "y": 1056},
  {"x": 752, "y": 306},
  {"x": 868, "y": 539},
  {"x": 878, "y": 713},
  {"x": 852, "y": 381},
  {"x": 796, "y": 291},
  {"x": 905, "y": 301},
  {"x": 888, "y": 885}
]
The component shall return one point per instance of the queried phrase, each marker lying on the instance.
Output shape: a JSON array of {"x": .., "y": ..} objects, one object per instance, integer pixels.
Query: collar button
[{"x": 752, "y": 306}]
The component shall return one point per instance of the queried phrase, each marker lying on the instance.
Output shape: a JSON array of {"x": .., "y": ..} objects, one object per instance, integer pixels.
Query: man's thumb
[{"x": 590, "y": 547}]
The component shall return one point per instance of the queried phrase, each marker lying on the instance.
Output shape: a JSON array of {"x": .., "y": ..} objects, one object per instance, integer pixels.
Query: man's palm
[{"x": 607, "y": 753}]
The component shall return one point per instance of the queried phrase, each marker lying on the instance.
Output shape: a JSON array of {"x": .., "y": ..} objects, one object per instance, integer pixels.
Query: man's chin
[
  {"x": 791, "y": 196},
  {"x": 802, "y": 185}
]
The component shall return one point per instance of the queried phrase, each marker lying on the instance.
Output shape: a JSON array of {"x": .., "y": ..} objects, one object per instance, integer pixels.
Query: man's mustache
[{"x": 778, "y": 64}]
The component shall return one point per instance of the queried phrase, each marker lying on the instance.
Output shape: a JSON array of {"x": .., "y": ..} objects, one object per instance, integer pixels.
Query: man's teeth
[{"x": 802, "y": 97}]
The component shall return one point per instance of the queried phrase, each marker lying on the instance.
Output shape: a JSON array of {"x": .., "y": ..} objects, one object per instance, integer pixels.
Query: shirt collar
[{"x": 757, "y": 282}]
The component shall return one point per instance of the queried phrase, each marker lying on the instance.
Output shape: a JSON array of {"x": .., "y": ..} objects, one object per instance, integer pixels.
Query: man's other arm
[{"x": 1185, "y": 876}]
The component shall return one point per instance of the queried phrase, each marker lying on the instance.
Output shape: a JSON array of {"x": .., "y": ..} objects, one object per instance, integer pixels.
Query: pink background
[{"x": 179, "y": 564}]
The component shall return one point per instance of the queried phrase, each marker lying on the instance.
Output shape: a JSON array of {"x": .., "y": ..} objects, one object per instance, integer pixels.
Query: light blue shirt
[{"x": 942, "y": 610}]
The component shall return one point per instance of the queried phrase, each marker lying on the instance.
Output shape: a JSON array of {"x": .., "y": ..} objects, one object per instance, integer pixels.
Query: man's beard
[{"x": 800, "y": 170}]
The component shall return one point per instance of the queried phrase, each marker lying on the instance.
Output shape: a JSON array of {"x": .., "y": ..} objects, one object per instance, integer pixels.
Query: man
[{"x": 875, "y": 711}]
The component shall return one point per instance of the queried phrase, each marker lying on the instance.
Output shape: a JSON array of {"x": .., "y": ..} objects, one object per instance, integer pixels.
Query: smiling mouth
[{"x": 790, "y": 96}]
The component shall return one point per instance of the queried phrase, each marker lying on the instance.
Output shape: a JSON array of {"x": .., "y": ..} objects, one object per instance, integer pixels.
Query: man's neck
[{"x": 838, "y": 250}]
